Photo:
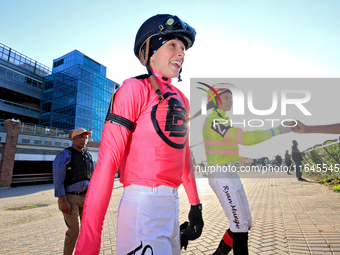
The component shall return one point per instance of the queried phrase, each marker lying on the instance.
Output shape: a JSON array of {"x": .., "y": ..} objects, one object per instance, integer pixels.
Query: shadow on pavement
[{"x": 24, "y": 190}]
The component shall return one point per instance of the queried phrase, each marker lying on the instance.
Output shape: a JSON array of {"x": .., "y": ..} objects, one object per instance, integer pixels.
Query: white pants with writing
[
  {"x": 148, "y": 221},
  {"x": 234, "y": 201}
]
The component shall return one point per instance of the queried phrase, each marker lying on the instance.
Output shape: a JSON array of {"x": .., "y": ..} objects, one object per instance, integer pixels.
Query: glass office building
[{"x": 77, "y": 94}]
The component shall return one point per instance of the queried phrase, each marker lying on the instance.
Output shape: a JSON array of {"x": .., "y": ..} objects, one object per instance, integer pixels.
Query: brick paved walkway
[{"x": 289, "y": 217}]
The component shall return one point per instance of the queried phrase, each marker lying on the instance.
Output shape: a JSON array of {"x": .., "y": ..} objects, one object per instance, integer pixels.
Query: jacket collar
[
  {"x": 161, "y": 78},
  {"x": 221, "y": 112}
]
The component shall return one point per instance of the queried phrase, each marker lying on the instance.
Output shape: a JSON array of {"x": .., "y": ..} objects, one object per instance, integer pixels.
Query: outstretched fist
[{"x": 285, "y": 127}]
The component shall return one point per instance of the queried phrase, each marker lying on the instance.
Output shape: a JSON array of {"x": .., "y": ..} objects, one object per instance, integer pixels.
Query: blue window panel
[{"x": 81, "y": 93}]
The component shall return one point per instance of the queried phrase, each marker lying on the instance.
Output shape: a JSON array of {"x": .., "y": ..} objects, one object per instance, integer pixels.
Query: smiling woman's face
[{"x": 169, "y": 58}]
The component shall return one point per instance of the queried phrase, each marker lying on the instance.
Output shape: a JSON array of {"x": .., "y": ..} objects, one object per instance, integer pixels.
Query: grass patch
[
  {"x": 30, "y": 206},
  {"x": 325, "y": 181},
  {"x": 336, "y": 188},
  {"x": 26, "y": 207},
  {"x": 332, "y": 183}
]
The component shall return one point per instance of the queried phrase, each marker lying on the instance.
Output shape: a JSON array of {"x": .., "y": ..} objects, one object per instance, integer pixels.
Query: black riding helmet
[{"x": 161, "y": 24}]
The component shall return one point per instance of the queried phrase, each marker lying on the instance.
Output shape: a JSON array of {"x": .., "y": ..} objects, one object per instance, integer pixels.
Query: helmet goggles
[{"x": 175, "y": 23}]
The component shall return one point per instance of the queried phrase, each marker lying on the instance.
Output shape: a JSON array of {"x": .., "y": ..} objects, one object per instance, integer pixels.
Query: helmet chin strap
[
  {"x": 154, "y": 85},
  {"x": 179, "y": 75},
  {"x": 144, "y": 60}
]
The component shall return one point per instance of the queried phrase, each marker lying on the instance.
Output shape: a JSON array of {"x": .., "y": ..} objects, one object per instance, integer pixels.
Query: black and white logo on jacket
[{"x": 169, "y": 121}]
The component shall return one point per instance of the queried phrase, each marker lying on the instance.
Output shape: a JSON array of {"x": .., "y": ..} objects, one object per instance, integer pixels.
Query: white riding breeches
[
  {"x": 148, "y": 221},
  {"x": 234, "y": 201}
]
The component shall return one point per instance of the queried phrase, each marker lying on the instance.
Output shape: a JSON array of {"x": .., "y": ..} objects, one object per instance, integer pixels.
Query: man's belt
[{"x": 77, "y": 192}]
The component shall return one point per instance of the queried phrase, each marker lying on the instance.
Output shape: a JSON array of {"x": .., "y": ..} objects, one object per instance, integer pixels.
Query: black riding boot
[
  {"x": 240, "y": 243},
  {"x": 222, "y": 249}
]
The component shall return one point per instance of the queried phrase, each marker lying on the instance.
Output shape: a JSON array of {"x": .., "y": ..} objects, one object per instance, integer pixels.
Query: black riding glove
[
  {"x": 196, "y": 220},
  {"x": 192, "y": 230},
  {"x": 184, "y": 237}
]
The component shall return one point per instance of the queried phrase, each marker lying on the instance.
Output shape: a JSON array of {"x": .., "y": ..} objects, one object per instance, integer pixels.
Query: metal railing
[
  {"x": 42, "y": 130},
  {"x": 18, "y": 179},
  {"x": 323, "y": 160},
  {"x": 18, "y": 59}
]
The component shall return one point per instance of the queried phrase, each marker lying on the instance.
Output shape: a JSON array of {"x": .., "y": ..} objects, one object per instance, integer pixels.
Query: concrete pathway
[{"x": 289, "y": 217}]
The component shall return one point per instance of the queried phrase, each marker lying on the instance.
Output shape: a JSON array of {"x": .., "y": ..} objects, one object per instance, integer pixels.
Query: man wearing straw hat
[{"x": 72, "y": 170}]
